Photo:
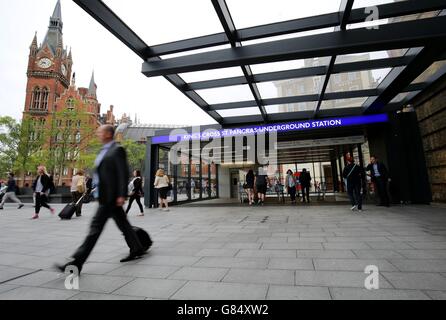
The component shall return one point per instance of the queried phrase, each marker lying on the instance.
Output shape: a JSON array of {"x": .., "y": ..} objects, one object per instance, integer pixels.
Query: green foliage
[
  {"x": 20, "y": 144},
  {"x": 70, "y": 134},
  {"x": 135, "y": 153},
  {"x": 9, "y": 138}
]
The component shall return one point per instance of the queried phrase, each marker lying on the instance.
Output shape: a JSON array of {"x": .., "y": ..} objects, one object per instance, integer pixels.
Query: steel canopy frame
[
  {"x": 228, "y": 25},
  {"x": 344, "y": 11},
  {"x": 409, "y": 34},
  {"x": 417, "y": 33}
]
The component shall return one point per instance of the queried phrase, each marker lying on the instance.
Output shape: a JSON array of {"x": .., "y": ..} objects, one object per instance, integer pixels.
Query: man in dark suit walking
[
  {"x": 110, "y": 180},
  {"x": 380, "y": 177}
]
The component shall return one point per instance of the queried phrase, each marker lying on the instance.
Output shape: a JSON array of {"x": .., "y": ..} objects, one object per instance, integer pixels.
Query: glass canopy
[{"x": 245, "y": 59}]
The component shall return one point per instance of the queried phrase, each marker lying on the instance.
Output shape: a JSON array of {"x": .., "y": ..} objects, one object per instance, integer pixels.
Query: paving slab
[
  {"x": 35, "y": 293},
  {"x": 335, "y": 279},
  {"x": 436, "y": 295},
  {"x": 92, "y": 283},
  {"x": 199, "y": 274},
  {"x": 352, "y": 264},
  {"x": 144, "y": 271},
  {"x": 276, "y": 292},
  {"x": 198, "y": 290},
  {"x": 377, "y": 294},
  {"x": 284, "y": 277},
  {"x": 290, "y": 264},
  {"x": 416, "y": 280},
  {"x": 151, "y": 288}
]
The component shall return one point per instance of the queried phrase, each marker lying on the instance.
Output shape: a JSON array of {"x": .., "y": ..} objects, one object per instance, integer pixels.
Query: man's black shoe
[{"x": 133, "y": 256}]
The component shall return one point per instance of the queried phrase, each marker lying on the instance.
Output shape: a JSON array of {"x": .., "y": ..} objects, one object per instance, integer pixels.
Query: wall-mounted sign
[{"x": 177, "y": 134}]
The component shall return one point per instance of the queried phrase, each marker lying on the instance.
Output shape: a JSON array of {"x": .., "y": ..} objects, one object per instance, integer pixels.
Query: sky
[{"x": 118, "y": 69}]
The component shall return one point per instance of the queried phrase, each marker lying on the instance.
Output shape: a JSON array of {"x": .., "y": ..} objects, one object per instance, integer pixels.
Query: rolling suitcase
[
  {"x": 68, "y": 211},
  {"x": 143, "y": 237}
]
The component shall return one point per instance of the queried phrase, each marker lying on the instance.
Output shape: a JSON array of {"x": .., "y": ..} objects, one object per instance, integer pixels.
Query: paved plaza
[{"x": 214, "y": 252}]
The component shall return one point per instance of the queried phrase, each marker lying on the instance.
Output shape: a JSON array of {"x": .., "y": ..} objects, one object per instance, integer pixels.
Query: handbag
[
  {"x": 80, "y": 187},
  {"x": 130, "y": 187}
]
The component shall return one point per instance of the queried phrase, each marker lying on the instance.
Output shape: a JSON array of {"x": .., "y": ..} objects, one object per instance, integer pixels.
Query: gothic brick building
[{"x": 51, "y": 88}]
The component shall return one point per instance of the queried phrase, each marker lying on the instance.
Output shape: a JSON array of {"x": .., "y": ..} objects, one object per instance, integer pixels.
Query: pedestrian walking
[
  {"x": 136, "y": 192},
  {"x": 290, "y": 184},
  {"x": 380, "y": 177},
  {"x": 249, "y": 186},
  {"x": 9, "y": 193},
  {"x": 162, "y": 184},
  {"x": 78, "y": 188},
  {"x": 305, "y": 182},
  {"x": 354, "y": 177},
  {"x": 89, "y": 187},
  {"x": 110, "y": 180},
  {"x": 41, "y": 187},
  {"x": 261, "y": 182}
]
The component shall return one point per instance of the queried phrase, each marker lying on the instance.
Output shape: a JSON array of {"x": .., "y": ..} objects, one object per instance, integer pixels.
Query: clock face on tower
[
  {"x": 44, "y": 63},
  {"x": 64, "y": 70}
]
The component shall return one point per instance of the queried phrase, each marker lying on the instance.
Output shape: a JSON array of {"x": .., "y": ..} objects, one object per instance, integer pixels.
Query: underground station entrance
[
  {"x": 345, "y": 78},
  {"x": 213, "y": 163}
]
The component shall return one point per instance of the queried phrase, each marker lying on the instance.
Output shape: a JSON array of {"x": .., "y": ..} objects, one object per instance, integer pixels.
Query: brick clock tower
[
  {"x": 49, "y": 69},
  {"x": 51, "y": 88}
]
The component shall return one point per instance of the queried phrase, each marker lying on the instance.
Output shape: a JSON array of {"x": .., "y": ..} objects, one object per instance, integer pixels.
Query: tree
[
  {"x": 135, "y": 153},
  {"x": 71, "y": 135},
  {"x": 9, "y": 141},
  {"x": 20, "y": 144},
  {"x": 88, "y": 155}
]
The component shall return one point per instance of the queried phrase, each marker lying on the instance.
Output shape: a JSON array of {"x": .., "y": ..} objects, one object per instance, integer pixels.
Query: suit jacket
[
  {"x": 113, "y": 173},
  {"x": 381, "y": 168}
]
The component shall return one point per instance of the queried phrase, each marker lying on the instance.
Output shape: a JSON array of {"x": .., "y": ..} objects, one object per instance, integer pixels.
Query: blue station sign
[{"x": 277, "y": 127}]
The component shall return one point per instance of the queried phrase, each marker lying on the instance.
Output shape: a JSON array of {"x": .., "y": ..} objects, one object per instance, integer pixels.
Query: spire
[
  {"x": 57, "y": 13},
  {"x": 92, "y": 87},
  {"x": 34, "y": 43},
  {"x": 33, "y": 46},
  {"x": 54, "y": 34}
]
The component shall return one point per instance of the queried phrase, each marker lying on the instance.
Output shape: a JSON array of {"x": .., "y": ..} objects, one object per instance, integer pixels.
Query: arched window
[
  {"x": 44, "y": 98},
  {"x": 70, "y": 103},
  {"x": 78, "y": 137},
  {"x": 35, "y": 102}
]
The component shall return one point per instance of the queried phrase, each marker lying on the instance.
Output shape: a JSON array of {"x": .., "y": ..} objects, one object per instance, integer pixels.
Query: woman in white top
[{"x": 162, "y": 184}]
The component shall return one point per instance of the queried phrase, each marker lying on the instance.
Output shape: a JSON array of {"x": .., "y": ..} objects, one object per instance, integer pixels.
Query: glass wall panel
[
  {"x": 195, "y": 185},
  {"x": 214, "y": 180},
  {"x": 164, "y": 163},
  {"x": 205, "y": 185},
  {"x": 183, "y": 184}
]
